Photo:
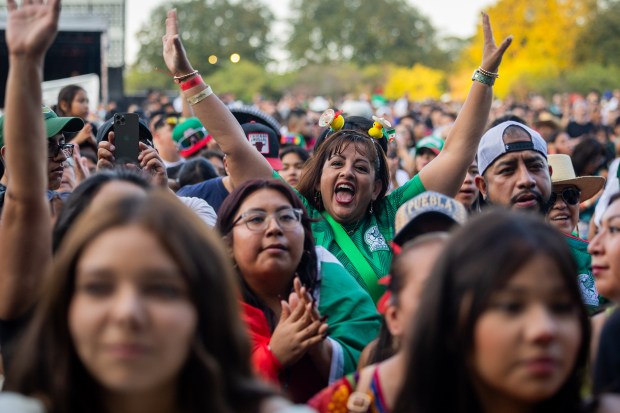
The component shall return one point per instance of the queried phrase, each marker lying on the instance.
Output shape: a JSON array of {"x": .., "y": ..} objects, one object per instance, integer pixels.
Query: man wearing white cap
[
  {"x": 515, "y": 173},
  {"x": 512, "y": 159}
]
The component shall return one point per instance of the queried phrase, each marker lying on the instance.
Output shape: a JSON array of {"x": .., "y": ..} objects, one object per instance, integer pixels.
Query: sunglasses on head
[{"x": 569, "y": 195}]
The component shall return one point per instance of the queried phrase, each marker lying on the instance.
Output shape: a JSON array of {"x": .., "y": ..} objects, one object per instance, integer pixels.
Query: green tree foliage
[
  {"x": 600, "y": 40},
  {"x": 209, "y": 27},
  {"x": 363, "y": 32}
]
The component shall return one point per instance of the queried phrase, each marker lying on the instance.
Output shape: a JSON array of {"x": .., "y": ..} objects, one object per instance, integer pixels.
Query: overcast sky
[{"x": 450, "y": 17}]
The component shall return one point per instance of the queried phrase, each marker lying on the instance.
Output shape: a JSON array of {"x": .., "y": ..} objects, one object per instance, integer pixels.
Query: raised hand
[
  {"x": 492, "y": 53},
  {"x": 174, "y": 52},
  {"x": 31, "y": 29}
]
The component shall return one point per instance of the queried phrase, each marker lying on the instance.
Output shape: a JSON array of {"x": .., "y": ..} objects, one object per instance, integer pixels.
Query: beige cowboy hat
[
  {"x": 547, "y": 119},
  {"x": 563, "y": 173}
]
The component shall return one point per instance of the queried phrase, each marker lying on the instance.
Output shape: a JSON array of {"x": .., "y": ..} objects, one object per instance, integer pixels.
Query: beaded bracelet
[
  {"x": 487, "y": 73},
  {"x": 200, "y": 96},
  {"x": 188, "y": 84},
  {"x": 181, "y": 78}
]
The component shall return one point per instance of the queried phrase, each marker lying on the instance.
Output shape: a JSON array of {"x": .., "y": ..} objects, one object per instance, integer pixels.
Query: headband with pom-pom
[
  {"x": 381, "y": 128},
  {"x": 334, "y": 120}
]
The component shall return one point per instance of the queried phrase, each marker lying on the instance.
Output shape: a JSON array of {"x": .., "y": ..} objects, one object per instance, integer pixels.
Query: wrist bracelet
[
  {"x": 200, "y": 96},
  {"x": 181, "y": 78},
  {"x": 188, "y": 84},
  {"x": 487, "y": 73},
  {"x": 478, "y": 76}
]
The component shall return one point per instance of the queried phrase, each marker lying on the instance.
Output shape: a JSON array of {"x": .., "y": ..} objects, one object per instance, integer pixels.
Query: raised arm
[
  {"x": 446, "y": 172},
  {"x": 25, "y": 226},
  {"x": 243, "y": 160}
]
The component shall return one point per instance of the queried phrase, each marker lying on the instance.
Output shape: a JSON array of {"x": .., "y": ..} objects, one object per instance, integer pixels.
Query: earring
[
  {"x": 317, "y": 199},
  {"x": 371, "y": 209}
]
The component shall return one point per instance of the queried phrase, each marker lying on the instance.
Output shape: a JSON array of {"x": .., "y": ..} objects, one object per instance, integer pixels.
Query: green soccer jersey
[
  {"x": 585, "y": 279},
  {"x": 373, "y": 235}
]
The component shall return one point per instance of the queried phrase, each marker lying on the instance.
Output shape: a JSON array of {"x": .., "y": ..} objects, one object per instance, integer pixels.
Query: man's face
[
  {"x": 55, "y": 161},
  {"x": 518, "y": 180}
]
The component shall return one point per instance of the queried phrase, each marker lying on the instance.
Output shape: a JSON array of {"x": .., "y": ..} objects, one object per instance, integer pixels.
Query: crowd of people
[{"x": 305, "y": 255}]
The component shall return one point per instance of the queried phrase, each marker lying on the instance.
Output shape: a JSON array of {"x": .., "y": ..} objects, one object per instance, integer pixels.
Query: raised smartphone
[{"x": 126, "y": 138}]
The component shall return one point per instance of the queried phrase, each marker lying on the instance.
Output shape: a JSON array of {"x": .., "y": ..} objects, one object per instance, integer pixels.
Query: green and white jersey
[
  {"x": 374, "y": 234},
  {"x": 585, "y": 279}
]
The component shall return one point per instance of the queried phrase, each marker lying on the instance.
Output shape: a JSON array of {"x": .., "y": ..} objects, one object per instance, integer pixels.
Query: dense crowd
[{"x": 303, "y": 255}]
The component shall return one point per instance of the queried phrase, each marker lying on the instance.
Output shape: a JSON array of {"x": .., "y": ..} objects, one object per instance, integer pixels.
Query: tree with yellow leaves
[
  {"x": 545, "y": 34},
  {"x": 419, "y": 82}
]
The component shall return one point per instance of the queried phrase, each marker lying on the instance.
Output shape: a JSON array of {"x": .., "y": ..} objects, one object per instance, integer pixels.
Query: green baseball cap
[
  {"x": 53, "y": 124},
  {"x": 190, "y": 136},
  {"x": 431, "y": 142}
]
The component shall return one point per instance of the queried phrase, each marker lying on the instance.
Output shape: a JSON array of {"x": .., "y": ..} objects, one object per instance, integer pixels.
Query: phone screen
[{"x": 126, "y": 138}]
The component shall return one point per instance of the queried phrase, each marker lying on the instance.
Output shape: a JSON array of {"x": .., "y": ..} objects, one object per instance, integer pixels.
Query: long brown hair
[
  {"x": 336, "y": 144},
  {"x": 480, "y": 259},
  {"x": 307, "y": 267},
  {"x": 217, "y": 374}
]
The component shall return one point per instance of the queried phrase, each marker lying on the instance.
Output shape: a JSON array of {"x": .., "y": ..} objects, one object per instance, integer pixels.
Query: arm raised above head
[
  {"x": 447, "y": 171},
  {"x": 243, "y": 160},
  {"x": 25, "y": 228}
]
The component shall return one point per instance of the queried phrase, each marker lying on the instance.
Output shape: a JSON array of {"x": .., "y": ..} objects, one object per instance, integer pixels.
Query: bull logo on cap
[{"x": 260, "y": 141}]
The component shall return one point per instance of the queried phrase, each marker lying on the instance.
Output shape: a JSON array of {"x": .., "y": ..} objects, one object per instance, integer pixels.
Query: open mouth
[
  {"x": 560, "y": 218},
  {"x": 344, "y": 193}
]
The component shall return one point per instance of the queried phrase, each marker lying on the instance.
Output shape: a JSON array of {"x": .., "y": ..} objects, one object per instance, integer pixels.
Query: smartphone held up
[{"x": 126, "y": 138}]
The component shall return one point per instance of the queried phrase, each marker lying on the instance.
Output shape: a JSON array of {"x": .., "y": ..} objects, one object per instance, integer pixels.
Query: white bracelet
[{"x": 200, "y": 96}]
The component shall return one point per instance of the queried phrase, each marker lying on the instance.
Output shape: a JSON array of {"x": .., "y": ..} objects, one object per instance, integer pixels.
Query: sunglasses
[{"x": 569, "y": 195}]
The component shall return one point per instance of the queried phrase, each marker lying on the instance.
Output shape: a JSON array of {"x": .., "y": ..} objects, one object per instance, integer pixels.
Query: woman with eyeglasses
[
  {"x": 568, "y": 190},
  {"x": 308, "y": 318}
]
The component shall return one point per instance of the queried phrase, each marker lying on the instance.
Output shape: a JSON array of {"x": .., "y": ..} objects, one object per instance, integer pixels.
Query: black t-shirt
[
  {"x": 607, "y": 364},
  {"x": 575, "y": 129}
]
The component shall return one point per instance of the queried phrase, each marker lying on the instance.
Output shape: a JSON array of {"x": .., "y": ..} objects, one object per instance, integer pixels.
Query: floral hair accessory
[
  {"x": 334, "y": 120},
  {"x": 381, "y": 128}
]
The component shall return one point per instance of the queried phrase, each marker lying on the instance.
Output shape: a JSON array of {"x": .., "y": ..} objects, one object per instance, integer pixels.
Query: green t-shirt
[
  {"x": 591, "y": 298},
  {"x": 374, "y": 234}
]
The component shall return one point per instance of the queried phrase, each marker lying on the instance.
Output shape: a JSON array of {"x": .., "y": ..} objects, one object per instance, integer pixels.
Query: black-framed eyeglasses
[
  {"x": 287, "y": 219},
  {"x": 53, "y": 150},
  {"x": 570, "y": 195}
]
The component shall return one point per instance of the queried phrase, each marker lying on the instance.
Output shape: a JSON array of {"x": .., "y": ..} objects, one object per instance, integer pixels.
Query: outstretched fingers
[
  {"x": 171, "y": 23},
  {"x": 491, "y": 53},
  {"x": 487, "y": 31}
]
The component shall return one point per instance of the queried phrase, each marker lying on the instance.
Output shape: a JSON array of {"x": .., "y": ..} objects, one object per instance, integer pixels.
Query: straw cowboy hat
[{"x": 562, "y": 173}]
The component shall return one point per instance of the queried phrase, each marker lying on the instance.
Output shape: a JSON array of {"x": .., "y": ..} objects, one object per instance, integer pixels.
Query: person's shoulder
[
  {"x": 199, "y": 188},
  {"x": 608, "y": 403},
  {"x": 280, "y": 405},
  {"x": 17, "y": 403}
]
